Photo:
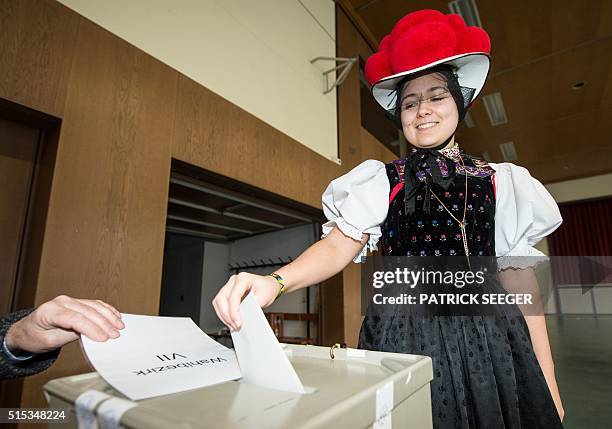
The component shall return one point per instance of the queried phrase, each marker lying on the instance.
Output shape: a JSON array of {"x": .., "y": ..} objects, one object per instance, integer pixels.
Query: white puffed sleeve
[
  {"x": 357, "y": 203},
  {"x": 525, "y": 213}
]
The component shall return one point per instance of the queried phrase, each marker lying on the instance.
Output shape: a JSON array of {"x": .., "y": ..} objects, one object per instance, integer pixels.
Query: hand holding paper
[{"x": 162, "y": 355}]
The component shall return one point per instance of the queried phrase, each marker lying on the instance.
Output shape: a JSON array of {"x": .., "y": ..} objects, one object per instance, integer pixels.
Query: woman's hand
[
  {"x": 560, "y": 409},
  {"x": 329, "y": 256},
  {"x": 551, "y": 381},
  {"x": 227, "y": 302}
]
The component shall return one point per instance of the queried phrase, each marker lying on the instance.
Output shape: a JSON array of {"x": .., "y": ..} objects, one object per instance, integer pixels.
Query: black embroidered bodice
[{"x": 437, "y": 233}]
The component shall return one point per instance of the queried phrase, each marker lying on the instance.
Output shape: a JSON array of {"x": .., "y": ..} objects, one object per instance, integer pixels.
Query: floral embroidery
[
  {"x": 472, "y": 166},
  {"x": 438, "y": 234}
]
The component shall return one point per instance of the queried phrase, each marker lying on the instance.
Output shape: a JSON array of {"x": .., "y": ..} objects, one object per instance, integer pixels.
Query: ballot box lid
[{"x": 342, "y": 392}]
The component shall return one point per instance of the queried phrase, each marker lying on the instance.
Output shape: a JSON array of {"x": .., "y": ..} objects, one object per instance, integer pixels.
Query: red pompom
[
  {"x": 422, "y": 45},
  {"x": 377, "y": 67},
  {"x": 483, "y": 38},
  {"x": 384, "y": 43},
  {"x": 455, "y": 21},
  {"x": 412, "y": 20},
  {"x": 415, "y": 18},
  {"x": 472, "y": 39}
]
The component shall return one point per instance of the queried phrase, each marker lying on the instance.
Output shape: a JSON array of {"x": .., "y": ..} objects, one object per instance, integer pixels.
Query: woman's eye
[
  {"x": 409, "y": 106},
  {"x": 438, "y": 98}
]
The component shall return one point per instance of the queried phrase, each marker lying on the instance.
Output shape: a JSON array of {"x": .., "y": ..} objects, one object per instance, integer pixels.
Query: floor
[{"x": 582, "y": 351}]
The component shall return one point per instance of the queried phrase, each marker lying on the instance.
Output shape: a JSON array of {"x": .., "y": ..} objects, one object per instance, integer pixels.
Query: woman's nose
[{"x": 423, "y": 110}]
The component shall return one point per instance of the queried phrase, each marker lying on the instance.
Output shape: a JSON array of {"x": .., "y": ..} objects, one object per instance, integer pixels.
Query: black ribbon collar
[{"x": 426, "y": 160}]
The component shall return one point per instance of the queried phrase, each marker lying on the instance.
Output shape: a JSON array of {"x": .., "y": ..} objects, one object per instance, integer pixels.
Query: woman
[{"x": 488, "y": 371}]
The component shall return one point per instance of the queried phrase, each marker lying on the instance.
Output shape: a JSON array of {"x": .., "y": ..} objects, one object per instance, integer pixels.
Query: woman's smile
[{"x": 424, "y": 126}]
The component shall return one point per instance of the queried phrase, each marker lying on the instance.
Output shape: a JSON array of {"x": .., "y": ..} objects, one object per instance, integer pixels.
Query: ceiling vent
[
  {"x": 469, "y": 122},
  {"x": 495, "y": 108},
  {"x": 508, "y": 151},
  {"x": 468, "y": 11}
]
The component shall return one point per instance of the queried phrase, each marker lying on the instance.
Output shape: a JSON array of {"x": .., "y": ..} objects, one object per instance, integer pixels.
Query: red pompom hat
[{"x": 422, "y": 40}]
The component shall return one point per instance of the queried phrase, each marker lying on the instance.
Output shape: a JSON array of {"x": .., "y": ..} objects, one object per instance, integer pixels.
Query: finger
[
  {"x": 241, "y": 285},
  {"x": 77, "y": 322},
  {"x": 216, "y": 307},
  {"x": 223, "y": 303},
  {"x": 223, "y": 312},
  {"x": 220, "y": 303},
  {"x": 106, "y": 311},
  {"x": 92, "y": 314},
  {"x": 112, "y": 315},
  {"x": 110, "y": 307}
]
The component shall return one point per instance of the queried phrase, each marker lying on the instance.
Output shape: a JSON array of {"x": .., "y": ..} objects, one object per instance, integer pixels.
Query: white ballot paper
[
  {"x": 161, "y": 355},
  {"x": 262, "y": 360}
]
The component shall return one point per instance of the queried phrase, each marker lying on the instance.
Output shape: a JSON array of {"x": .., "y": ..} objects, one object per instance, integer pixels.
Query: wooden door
[{"x": 18, "y": 149}]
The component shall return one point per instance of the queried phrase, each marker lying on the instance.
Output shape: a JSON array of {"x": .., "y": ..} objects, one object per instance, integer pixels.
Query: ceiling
[
  {"x": 540, "y": 49},
  {"x": 220, "y": 209}
]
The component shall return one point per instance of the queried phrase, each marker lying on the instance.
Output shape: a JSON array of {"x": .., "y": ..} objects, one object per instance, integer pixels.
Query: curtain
[{"x": 586, "y": 231}]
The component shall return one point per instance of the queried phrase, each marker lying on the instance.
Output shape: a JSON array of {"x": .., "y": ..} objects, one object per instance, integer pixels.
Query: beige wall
[
  {"x": 581, "y": 189},
  {"x": 256, "y": 54}
]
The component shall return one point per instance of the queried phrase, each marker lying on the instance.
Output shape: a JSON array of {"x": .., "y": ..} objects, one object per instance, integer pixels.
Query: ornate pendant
[{"x": 465, "y": 244}]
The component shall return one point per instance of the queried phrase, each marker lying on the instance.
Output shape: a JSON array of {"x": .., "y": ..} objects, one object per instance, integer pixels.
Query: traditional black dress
[{"x": 486, "y": 374}]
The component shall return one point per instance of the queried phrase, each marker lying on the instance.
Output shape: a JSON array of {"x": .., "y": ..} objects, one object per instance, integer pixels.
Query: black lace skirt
[{"x": 486, "y": 374}]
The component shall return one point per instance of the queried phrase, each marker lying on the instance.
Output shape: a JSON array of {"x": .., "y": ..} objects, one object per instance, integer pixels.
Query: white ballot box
[{"x": 355, "y": 389}]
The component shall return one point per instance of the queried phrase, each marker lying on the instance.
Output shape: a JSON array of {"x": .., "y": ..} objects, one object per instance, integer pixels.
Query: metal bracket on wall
[{"x": 344, "y": 64}]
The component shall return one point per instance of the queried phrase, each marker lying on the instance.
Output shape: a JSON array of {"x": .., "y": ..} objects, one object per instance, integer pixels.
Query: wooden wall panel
[
  {"x": 37, "y": 40},
  {"x": 106, "y": 218},
  {"x": 215, "y": 134},
  {"x": 332, "y": 314},
  {"x": 371, "y": 148}
]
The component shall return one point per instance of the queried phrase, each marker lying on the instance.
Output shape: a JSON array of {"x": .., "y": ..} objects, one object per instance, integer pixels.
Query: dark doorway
[
  {"x": 182, "y": 276},
  {"x": 216, "y": 227}
]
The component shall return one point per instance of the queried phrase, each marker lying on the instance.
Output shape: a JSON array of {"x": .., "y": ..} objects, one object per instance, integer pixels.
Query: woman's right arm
[{"x": 319, "y": 262}]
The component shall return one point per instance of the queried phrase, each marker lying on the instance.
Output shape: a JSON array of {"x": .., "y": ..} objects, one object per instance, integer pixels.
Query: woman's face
[{"x": 428, "y": 111}]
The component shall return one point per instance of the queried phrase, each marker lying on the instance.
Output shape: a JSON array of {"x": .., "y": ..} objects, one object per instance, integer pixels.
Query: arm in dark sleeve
[{"x": 13, "y": 369}]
